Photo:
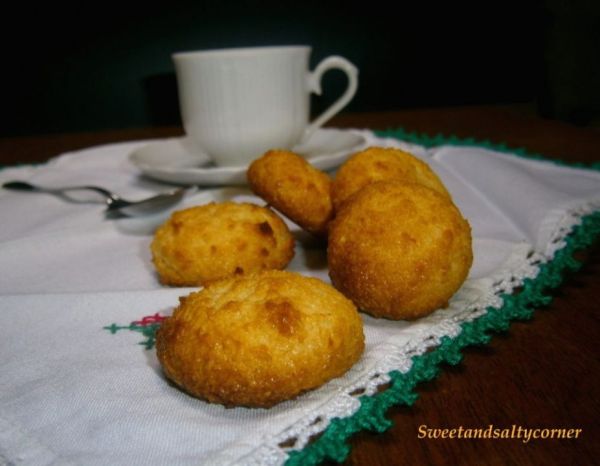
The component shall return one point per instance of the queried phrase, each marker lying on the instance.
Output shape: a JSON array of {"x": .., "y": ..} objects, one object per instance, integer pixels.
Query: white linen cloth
[{"x": 73, "y": 392}]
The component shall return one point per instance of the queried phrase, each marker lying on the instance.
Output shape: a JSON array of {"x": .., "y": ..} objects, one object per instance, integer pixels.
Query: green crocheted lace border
[{"x": 332, "y": 444}]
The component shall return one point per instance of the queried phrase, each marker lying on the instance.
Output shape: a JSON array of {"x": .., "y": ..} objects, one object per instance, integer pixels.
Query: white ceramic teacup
[{"x": 238, "y": 103}]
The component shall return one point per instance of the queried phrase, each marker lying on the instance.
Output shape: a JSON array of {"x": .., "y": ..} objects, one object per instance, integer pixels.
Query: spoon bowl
[{"x": 114, "y": 203}]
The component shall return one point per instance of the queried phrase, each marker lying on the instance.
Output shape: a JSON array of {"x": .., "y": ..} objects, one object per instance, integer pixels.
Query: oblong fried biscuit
[
  {"x": 260, "y": 339},
  {"x": 379, "y": 164},
  {"x": 294, "y": 187},
  {"x": 212, "y": 241},
  {"x": 399, "y": 250}
]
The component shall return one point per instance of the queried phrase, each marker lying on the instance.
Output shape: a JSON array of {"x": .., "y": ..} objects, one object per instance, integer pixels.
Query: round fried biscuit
[
  {"x": 212, "y": 241},
  {"x": 379, "y": 164},
  {"x": 294, "y": 187},
  {"x": 259, "y": 339},
  {"x": 399, "y": 250}
]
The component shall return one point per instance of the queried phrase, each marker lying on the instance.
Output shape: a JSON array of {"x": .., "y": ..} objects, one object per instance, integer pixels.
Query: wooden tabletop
[{"x": 542, "y": 373}]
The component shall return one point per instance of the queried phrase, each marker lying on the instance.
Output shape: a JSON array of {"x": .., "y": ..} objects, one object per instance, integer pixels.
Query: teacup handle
[{"x": 314, "y": 85}]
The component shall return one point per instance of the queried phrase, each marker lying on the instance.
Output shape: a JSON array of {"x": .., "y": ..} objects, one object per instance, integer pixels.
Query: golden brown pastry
[
  {"x": 399, "y": 250},
  {"x": 294, "y": 187},
  {"x": 208, "y": 242},
  {"x": 378, "y": 164},
  {"x": 260, "y": 339}
]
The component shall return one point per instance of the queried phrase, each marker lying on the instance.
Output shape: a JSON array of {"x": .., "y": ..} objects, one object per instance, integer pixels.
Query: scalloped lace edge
[{"x": 534, "y": 278}]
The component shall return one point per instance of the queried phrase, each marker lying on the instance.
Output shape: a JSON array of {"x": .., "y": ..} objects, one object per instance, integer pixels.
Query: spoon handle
[
  {"x": 24, "y": 186},
  {"x": 19, "y": 186}
]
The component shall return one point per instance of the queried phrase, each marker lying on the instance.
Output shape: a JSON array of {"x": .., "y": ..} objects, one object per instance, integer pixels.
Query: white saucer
[{"x": 175, "y": 161}]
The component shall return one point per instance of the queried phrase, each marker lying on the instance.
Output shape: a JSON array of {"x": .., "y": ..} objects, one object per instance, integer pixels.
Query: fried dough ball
[
  {"x": 294, "y": 187},
  {"x": 399, "y": 250},
  {"x": 259, "y": 339},
  {"x": 379, "y": 164},
  {"x": 208, "y": 242}
]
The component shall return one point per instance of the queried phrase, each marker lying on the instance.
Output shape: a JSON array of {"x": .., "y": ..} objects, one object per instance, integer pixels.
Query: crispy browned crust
[
  {"x": 294, "y": 187},
  {"x": 399, "y": 250},
  {"x": 204, "y": 243},
  {"x": 379, "y": 164},
  {"x": 260, "y": 339}
]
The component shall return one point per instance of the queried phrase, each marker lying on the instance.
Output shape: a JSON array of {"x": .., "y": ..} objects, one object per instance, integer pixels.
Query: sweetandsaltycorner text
[{"x": 525, "y": 434}]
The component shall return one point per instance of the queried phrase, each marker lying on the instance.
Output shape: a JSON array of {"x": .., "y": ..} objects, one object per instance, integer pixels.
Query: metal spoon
[{"x": 114, "y": 203}]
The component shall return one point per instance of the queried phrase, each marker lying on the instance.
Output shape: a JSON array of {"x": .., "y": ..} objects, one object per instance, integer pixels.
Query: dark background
[{"x": 108, "y": 65}]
